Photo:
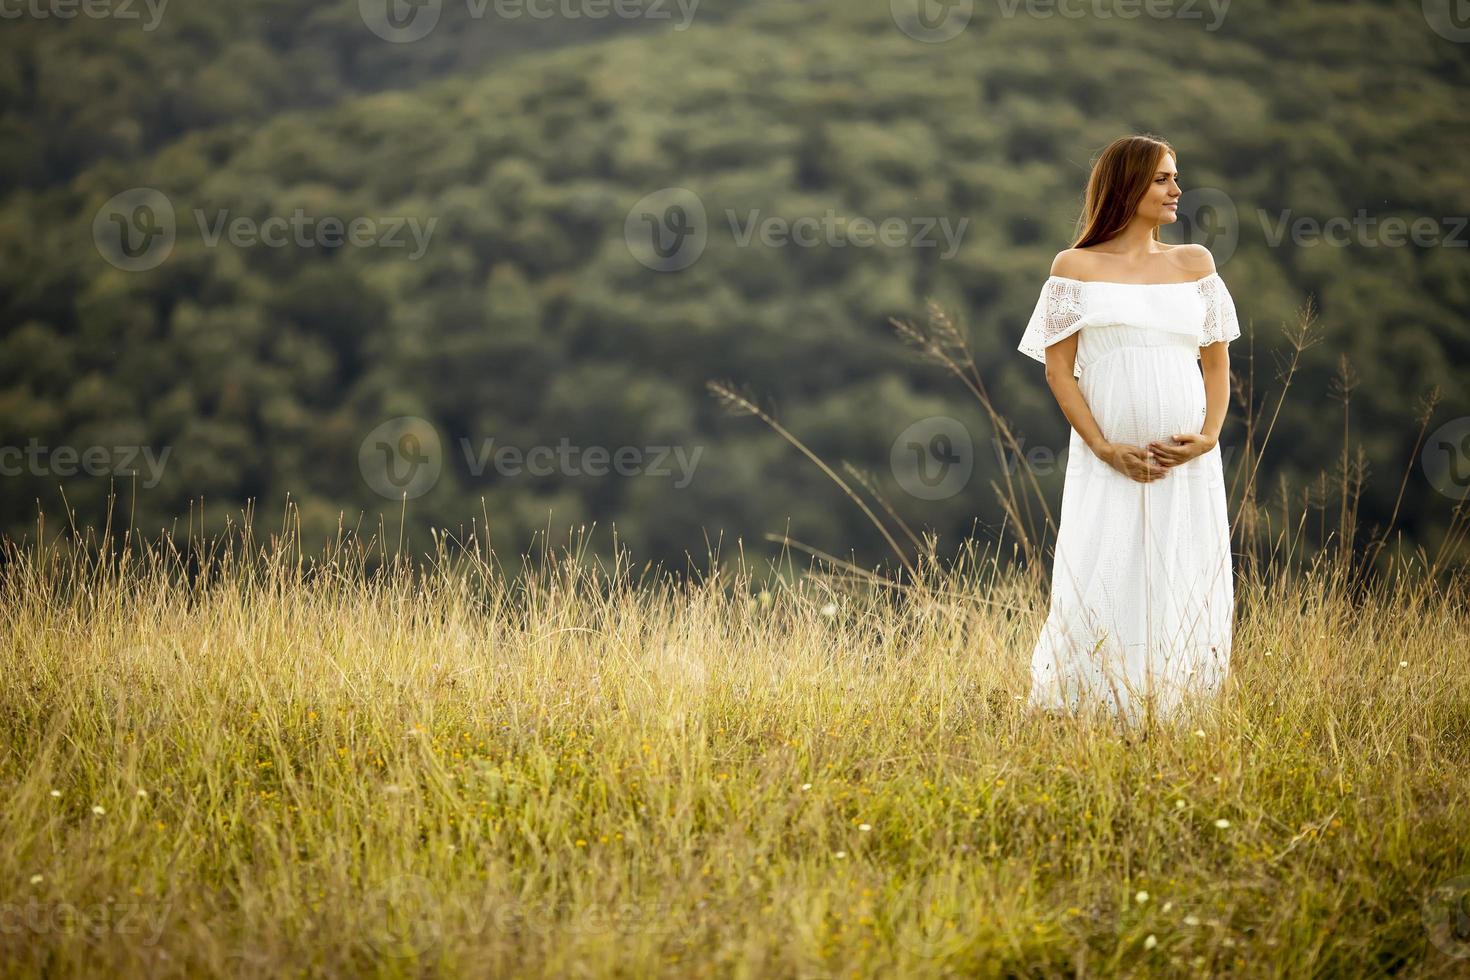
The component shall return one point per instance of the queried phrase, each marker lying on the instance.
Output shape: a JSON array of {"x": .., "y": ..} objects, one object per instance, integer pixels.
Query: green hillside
[
  {"x": 528, "y": 318},
  {"x": 77, "y": 89}
]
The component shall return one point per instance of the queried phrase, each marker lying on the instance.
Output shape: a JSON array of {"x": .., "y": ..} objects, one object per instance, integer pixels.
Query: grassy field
[{"x": 220, "y": 765}]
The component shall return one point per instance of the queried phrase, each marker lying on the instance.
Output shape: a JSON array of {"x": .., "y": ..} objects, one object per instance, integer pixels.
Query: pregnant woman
[{"x": 1133, "y": 333}]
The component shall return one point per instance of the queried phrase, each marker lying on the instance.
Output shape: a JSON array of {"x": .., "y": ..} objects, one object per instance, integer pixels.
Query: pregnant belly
[{"x": 1146, "y": 393}]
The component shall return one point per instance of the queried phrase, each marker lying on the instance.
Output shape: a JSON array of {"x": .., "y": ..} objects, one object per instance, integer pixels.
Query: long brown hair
[{"x": 1120, "y": 177}]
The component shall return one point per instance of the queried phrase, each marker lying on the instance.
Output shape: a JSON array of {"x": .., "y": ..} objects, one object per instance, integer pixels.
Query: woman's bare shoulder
[
  {"x": 1193, "y": 257},
  {"x": 1071, "y": 263}
]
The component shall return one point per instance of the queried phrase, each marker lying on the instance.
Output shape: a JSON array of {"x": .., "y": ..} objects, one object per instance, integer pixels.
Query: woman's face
[{"x": 1160, "y": 205}]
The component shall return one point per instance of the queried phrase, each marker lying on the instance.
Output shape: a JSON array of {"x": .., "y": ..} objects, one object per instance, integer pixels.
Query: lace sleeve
[
  {"x": 1220, "y": 321},
  {"x": 1059, "y": 313}
]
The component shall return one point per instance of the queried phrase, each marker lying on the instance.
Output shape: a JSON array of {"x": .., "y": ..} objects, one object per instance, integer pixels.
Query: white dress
[{"x": 1141, "y": 592}]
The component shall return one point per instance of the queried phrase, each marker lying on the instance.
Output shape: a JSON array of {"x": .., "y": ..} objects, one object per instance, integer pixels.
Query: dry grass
[
  {"x": 397, "y": 772},
  {"x": 236, "y": 759}
]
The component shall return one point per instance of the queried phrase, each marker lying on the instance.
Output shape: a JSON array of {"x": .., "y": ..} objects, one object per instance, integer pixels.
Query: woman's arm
[
  {"x": 1061, "y": 361},
  {"x": 1214, "y": 361}
]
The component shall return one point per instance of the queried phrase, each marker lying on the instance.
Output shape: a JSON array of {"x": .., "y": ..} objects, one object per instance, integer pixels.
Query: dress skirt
[{"x": 1142, "y": 601}]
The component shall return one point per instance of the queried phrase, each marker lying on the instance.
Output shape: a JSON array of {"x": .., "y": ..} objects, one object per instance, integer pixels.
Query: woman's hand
[
  {"x": 1182, "y": 447},
  {"x": 1134, "y": 462}
]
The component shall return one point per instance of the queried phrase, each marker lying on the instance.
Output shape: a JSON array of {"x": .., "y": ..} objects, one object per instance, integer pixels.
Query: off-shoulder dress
[{"x": 1142, "y": 600}]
